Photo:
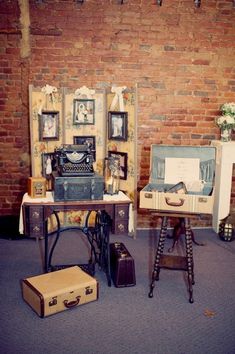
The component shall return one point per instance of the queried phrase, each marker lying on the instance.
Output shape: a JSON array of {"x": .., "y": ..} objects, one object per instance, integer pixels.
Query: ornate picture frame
[
  {"x": 83, "y": 111},
  {"x": 49, "y": 125},
  {"x": 123, "y": 156},
  {"x": 117, "y": 125},
  {"x": 84, "y": 139}
]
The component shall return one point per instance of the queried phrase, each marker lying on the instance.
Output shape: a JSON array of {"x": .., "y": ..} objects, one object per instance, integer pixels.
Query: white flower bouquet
[
  {"x": 227, "y": 120},
  {"x": 228, "y": 109}
]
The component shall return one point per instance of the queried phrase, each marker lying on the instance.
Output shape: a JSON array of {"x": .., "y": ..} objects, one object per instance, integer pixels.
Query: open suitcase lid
[{"x": 199, "y": 160}]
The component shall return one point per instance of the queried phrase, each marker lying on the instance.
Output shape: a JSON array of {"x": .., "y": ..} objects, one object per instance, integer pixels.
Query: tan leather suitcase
[{"x": 64, "y": 289}]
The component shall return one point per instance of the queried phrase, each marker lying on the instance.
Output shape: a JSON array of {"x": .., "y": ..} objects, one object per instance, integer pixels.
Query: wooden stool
[
  {"x": 178, "y": 230},
  {"x": 171, "y": 261}
]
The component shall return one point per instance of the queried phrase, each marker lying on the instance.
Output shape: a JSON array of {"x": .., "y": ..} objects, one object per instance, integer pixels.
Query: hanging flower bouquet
[
  {"x": 228, "y": 109},
  {"x": 226, "y": 122}
]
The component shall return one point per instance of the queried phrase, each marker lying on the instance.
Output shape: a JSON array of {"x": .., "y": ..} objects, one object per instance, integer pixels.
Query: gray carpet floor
[{"x": 125, "y": 320}]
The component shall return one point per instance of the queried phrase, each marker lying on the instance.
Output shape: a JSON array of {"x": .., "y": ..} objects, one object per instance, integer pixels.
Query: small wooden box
[
  {"x": 57, "y": 291},
  {"x": 37, "y": 187}
]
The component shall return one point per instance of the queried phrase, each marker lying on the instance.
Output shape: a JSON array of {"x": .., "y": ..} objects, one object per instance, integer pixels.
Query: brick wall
[{"x": 181, "y": 58}]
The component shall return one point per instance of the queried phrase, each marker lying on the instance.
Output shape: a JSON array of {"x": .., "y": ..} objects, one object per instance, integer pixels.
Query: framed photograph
[
  {"x": 84, "y": 139},
  {"x": 49, "y": 125},
  {"x": 123, "y": 162},
  {"x": 117, "y": 126},
  {"x": 83, "y": 111},
  {"x": 49, "y": 165}
]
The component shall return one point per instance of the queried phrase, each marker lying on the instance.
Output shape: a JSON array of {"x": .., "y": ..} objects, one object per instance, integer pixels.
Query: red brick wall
[{"x": 181, "y": 59}]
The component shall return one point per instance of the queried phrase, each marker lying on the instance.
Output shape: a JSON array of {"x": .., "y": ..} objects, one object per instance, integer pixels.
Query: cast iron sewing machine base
[{"x": 98, "y": 238}]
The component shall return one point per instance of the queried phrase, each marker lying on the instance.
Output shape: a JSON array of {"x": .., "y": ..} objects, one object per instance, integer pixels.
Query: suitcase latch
[
  {"x": 53, "y": 302},
  {"x": 88, "y": 290},
  {"x": 65, "y": 185},
  {"x": 202, "y": 200},
  {"x": 148, "y": 195}
]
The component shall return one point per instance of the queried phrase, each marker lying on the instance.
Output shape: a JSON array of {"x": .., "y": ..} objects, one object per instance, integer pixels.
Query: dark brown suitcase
[{"x": 122, "y": 265}]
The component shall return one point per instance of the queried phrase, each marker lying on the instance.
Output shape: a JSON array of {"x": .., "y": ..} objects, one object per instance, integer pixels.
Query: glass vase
[
  {"x": 111, "y": 175},
  {"x": 226, "y": 134}
]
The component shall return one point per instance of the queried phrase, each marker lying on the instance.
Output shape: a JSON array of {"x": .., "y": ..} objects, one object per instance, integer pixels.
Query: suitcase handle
[
  {"x": 168, "y": 202},
  {"x": 70, "y": 304}
]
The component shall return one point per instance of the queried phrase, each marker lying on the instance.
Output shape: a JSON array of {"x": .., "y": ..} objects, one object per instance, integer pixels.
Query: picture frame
[
  {"x": 49, "y": 125},
  {"x": 123, "y": 157},
  {"x": 117, "y": 125},
  {"x": 83, "y": 111},
  {"x": 83, "y": 139},
  {"x": 49, "y": 165}
]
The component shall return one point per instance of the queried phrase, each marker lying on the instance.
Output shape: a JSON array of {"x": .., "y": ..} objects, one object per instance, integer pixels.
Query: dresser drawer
[
  {"x": 121, "y": 219},
  {"x": 36, "y": 213},
  {"x": 33, "y": 221},
  {"x": 36, "y": 229},
  {"x": 120, "y": 227}
]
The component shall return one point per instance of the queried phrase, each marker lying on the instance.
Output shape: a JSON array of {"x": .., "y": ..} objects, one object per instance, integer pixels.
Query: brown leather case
[{"x": 122, "y": 265}]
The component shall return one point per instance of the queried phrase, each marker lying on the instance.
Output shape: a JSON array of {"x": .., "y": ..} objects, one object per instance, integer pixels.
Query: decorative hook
[
  {"x": 159, "y": 2},
  {"x": 197, "y": 3}
]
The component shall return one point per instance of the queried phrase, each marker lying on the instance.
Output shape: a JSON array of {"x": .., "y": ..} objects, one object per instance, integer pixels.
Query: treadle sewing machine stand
[
  {"x": 174, "y": 262},
  {"x": 98, "y": 238},
  {"x": 111, "y": 213}
]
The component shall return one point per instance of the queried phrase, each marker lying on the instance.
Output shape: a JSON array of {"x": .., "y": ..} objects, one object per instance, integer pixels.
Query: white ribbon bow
[
  {"x": 118, "y": 98},
  {"x": 48, "y": 90},
  {"x": 84, "y": 91}
]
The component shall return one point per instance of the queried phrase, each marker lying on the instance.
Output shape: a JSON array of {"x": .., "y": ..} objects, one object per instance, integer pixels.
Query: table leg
[
  {"x": 55, "y": 241},
  {"x": 46, "y": 249},
  {"x": 189, "y": 256},
  {"x": 104, "y": 245},
  {"x": 159, "y": 251}
]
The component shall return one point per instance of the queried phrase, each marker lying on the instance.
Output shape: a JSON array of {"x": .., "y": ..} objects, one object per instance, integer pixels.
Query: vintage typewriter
[{"x": 75, "y": 160}]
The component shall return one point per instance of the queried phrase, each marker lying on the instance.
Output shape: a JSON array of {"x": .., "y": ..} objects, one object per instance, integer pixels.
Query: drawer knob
[
  {"x": 121, "y": 227},
  {"x": 121, "y": 213},
  {"x": 36, "y": 214},
  {"x": 36, "y": 228}
]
